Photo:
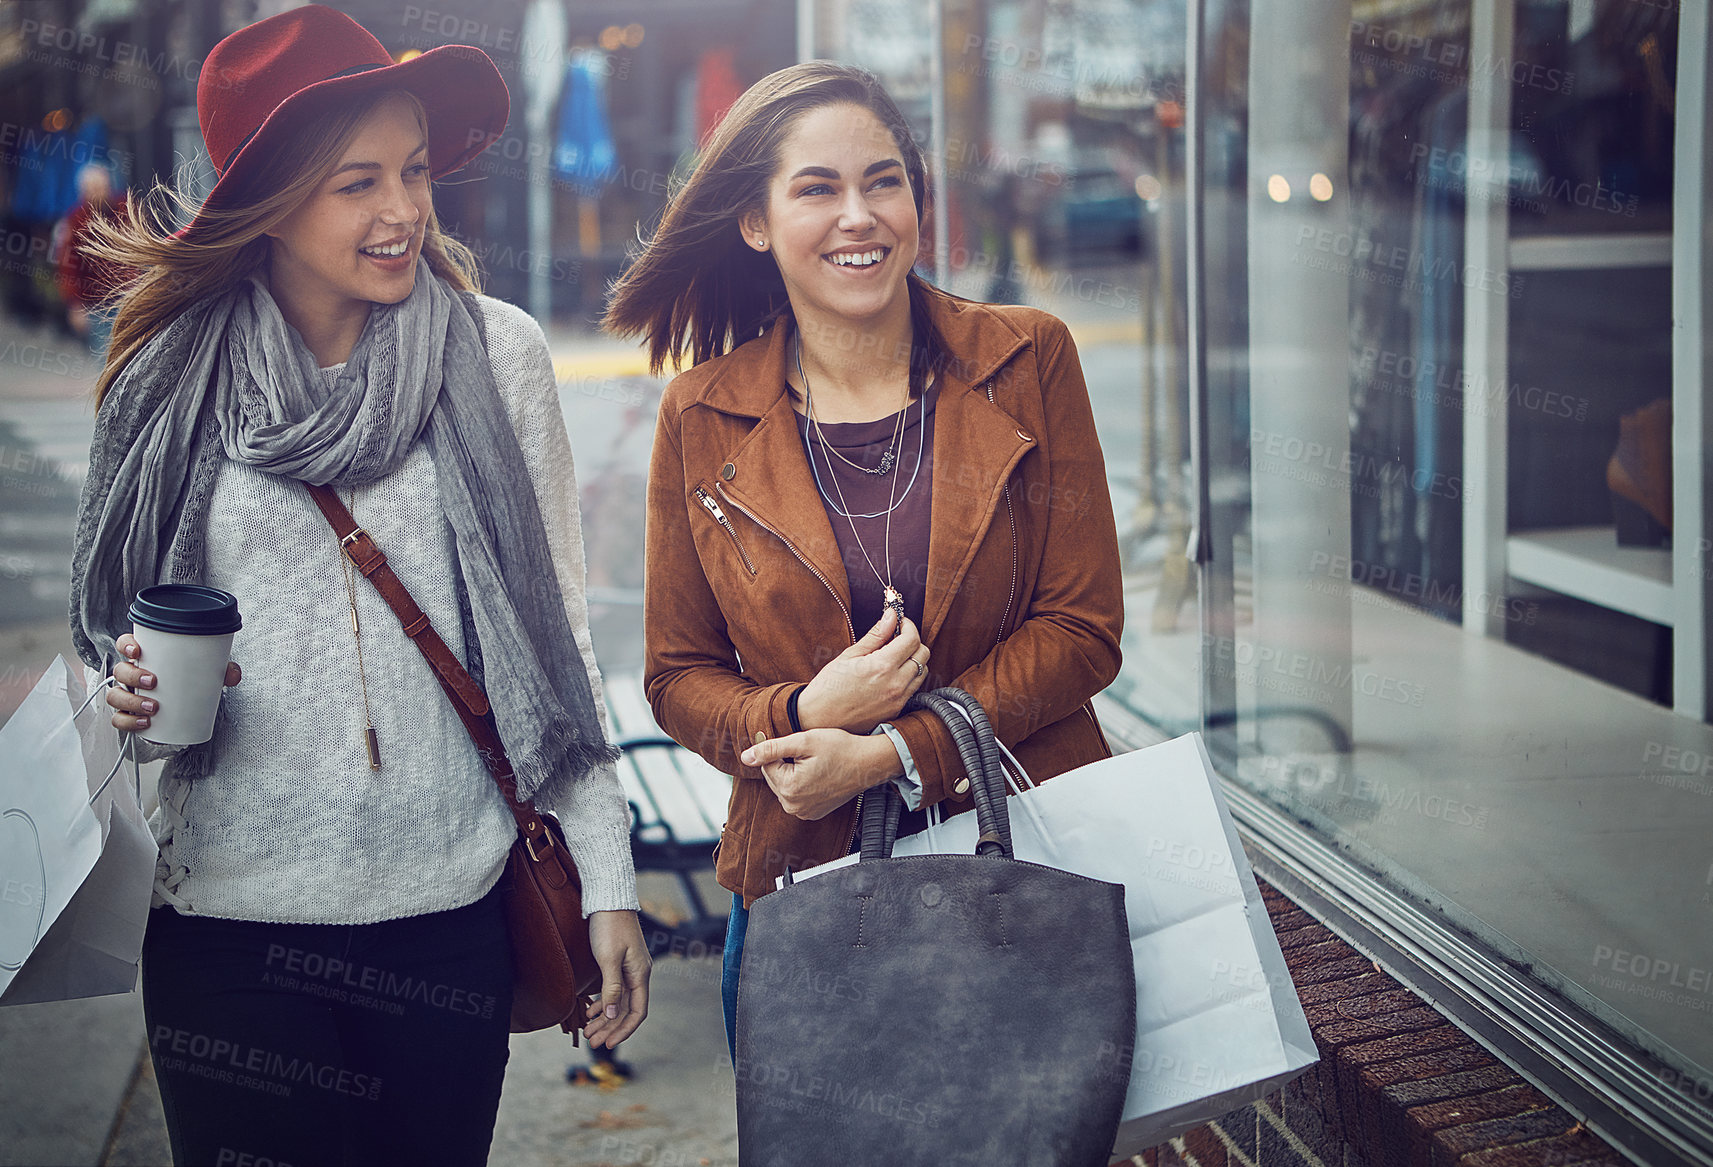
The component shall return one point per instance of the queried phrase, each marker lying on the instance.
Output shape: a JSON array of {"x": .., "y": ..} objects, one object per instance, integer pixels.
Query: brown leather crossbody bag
[{"x": 554, "y": 967}]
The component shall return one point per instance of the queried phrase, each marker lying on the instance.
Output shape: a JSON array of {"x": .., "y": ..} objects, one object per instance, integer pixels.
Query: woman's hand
[
  {"x": 869, "y": 682},
  {"x": 131, "y": 711},
  {"x": 625, "y": 964},
  {"x": 816, "y": 771}
]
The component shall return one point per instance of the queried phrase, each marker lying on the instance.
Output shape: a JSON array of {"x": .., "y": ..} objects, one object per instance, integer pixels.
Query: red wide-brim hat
[{"x": 270, "y": 78}]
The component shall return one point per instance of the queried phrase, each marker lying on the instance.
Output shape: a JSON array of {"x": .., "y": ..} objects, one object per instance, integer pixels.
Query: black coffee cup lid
[{"x": 190, "y": 609}]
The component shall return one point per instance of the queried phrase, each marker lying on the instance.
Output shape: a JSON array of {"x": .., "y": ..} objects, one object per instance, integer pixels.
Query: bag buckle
[
  {"x": 529, "y": 845},
  {"x": 359, "y": 547}
]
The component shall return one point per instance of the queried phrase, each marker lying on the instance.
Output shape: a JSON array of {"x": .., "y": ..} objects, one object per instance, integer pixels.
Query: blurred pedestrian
[
  {"x": 326, "y": 977},
  {"x": 863, "y": 487},
  {"x": 87, "y": 282}
]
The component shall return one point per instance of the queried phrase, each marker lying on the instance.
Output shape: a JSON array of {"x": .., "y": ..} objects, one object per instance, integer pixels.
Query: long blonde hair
[{"x": 173, "y": 271}]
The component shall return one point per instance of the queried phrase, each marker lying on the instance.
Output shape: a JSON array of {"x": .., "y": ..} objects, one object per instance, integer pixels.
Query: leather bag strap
[
  {"x": 983, "y": 764},
  {"x": 991, "y": 789},
  {"x": 880, "y": 822},
  {"x": 468, "y": 700}
]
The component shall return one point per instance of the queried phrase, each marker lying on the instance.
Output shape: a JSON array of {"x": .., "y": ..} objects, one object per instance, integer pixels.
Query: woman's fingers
[
  {"x": 876, "y": 637},
  {"x": 634, "y": 1001},
  {"x": 127, "y": 670},
  {"x": 915, "y": 669},
  {"x": 919, "y": 658},
  {"x": 918, "y": 666},
  {"x": 894, "y": 651},
  {"x": 131, "y": 711},
  {"x": 609, "y": 1031},
  {"x": 234, "y": 674},
  {"x": 765, "y": 753},
  {"x": 137, "y": 704},
  {"x": 625, "y": 964},
  {"x": 133, "y": 676}
]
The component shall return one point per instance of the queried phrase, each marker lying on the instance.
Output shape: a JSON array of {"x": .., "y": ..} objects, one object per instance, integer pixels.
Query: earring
[{"x": 761, "y": 243}]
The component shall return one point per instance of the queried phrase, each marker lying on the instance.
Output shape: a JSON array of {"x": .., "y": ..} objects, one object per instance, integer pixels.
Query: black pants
[{"x": 324, "y": 1045}]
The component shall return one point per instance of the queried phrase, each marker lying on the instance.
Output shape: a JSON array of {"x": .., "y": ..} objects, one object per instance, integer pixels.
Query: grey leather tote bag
[{"x": 936, "y": 1009}]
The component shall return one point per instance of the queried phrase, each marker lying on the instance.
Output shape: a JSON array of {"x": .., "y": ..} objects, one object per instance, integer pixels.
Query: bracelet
[{"x": 791, "y": 708}]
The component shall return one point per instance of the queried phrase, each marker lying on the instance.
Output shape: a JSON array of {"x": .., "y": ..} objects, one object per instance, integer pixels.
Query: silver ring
[{"x": 921, "y": 669}]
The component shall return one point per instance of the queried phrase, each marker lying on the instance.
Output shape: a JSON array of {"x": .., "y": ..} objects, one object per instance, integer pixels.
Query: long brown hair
[
  {"x": 695, "y": 286},
  {"x": 174, "y": 271}
]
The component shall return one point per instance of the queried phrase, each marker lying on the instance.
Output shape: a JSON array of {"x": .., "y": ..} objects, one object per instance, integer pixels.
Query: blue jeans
[{"x": 736, "y": 928}]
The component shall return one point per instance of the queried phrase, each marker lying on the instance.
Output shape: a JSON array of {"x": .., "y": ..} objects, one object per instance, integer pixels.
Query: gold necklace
[
  {"x": 891, "y": 597},
  {"x": 370, "y": 738}
]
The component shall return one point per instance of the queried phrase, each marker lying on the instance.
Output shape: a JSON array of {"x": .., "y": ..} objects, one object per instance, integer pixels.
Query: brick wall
[{"x": 1397, "y": 1084}]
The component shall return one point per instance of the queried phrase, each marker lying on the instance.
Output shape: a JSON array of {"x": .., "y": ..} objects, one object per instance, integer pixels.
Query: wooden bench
[{"x": 678, "y": 804}]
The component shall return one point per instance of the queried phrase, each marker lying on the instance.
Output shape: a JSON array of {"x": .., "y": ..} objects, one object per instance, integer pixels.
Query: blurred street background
[{"x": 1450, "y": 257}]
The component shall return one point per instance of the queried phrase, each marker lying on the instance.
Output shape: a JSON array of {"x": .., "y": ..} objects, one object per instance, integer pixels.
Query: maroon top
[{"x": 909, "y": 484}]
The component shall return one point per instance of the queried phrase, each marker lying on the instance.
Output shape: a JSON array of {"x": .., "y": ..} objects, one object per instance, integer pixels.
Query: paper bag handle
[{"x": 1017, "y": 776}]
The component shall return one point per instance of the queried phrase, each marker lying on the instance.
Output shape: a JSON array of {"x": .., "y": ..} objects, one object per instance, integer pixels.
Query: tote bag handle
[{"x": 981, "y": 754}]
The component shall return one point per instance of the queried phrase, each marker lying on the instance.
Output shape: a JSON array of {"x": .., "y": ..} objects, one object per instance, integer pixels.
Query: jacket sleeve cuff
[
  {"x": 766, "y": 715},
  {"x": 938, "y": 767}
]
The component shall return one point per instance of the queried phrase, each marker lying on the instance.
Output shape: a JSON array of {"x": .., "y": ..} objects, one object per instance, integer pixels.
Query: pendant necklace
[
  {"x": 371, "y": 740},
  {"x": 891, "y": 597}
]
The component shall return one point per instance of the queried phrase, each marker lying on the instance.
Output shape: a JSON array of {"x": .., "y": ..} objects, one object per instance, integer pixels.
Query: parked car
[{"x": 1094, "y": 212}]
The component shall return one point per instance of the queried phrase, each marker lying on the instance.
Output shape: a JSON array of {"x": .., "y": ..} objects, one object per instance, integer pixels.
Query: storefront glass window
[{"x": 1451, "y": 642}]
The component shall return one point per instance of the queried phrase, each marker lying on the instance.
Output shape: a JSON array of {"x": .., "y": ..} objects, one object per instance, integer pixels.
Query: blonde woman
[{"x": 326, "y": 976}]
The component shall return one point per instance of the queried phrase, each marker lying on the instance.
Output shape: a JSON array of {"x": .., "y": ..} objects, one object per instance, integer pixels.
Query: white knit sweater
[{"x": 291, "y": 824}]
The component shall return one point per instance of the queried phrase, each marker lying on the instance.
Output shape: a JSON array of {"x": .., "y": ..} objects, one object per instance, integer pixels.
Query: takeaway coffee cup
[{"x": 185, "y": 631}]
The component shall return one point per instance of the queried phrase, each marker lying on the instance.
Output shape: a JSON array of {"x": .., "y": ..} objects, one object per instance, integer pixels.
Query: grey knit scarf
[{"x": 229, "y": 378}]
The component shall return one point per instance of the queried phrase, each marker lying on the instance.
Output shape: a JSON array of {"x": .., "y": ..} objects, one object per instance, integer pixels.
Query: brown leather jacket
[{"x": 747, "y": 595}]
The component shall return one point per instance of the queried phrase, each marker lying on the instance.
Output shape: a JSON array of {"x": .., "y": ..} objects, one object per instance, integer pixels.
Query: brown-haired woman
[
  {"x": 326, "y": 976},
  {"x": 864, "y": 485}
]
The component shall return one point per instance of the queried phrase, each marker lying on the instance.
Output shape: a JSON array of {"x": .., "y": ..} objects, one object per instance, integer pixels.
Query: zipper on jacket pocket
[
  {"x": 713, "y": 508},
  {"x": 709, "y": 503}
]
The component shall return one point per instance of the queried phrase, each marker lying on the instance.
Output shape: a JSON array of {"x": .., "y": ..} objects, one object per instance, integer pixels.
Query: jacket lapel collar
[{"x": 976, "y": 445}]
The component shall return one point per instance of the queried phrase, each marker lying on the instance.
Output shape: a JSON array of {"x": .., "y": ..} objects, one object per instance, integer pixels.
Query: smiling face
[
  {"x": 356, "y": 239},
  {"x": 840, "y": 218}
]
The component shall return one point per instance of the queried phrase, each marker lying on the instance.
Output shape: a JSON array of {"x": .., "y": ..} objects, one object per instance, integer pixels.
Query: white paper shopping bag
[
  {"x": 77, "y": 860},
  {"x": 1218, "y": 1023}
]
